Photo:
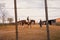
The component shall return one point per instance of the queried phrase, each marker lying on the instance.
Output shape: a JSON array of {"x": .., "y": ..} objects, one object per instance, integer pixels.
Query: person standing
[
  {"x": 28, "y": 20},
  {"x": 40, "y": 23}
]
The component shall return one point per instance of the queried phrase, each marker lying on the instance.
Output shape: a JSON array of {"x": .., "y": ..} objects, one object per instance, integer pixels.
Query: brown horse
[
  {"x": 32, "y": 21},
  {"x": 22, "y": 22}
]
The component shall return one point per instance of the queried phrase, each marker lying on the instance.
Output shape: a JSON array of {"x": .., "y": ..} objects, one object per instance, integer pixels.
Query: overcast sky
[{"x": 33, "y": 8}]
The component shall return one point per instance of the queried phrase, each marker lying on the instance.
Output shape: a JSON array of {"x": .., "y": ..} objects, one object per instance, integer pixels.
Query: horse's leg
[{"x": 30, "y": 25}]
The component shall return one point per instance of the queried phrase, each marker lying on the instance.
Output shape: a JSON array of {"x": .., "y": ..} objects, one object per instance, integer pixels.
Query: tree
[
  {"x": 10, "y": 20},
  {"x": 3, "y": 12}
]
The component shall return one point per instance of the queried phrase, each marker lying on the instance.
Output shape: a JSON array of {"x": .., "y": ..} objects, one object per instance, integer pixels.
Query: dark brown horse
[
  {"x": 32, "y": 21},
  {"x": 22, "y": 22}
]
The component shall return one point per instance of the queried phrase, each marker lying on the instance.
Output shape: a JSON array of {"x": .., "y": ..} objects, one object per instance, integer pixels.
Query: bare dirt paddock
[{"x": 25, "y": 33}]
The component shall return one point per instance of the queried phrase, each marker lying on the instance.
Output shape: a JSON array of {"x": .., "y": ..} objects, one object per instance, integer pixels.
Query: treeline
[{"x": 1, "y": 24}]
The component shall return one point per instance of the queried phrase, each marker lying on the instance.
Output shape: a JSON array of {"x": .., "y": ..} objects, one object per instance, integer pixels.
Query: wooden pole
[
  {"x": 47, "y": 26},
  {"x": 15, "y": 8}
]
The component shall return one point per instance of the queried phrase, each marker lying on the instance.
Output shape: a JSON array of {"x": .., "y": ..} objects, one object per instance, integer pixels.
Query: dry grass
[{"x": 29, "y": 33}]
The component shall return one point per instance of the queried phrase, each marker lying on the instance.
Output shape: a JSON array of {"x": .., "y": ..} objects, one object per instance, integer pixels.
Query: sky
[{"x": 32, "y": 8}]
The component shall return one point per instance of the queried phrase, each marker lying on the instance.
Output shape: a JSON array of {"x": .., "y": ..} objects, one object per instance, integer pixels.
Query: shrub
[{"x": 58, "y": 24}]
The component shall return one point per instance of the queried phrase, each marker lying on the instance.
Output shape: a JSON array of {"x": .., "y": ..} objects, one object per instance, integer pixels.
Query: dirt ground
[{"x": 33, "y": 32}]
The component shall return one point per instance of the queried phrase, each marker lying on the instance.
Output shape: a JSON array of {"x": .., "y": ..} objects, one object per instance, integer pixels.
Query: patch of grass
[
  {"x": 55, "y": 36},
  {"x": 55, "y": 32},
  {"x": 33, "y": 33}
]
